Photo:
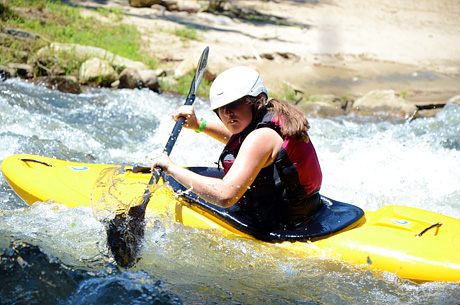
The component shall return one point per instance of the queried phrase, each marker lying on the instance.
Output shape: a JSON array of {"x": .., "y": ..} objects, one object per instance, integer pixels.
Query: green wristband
[{"x": 203, "y": 124}]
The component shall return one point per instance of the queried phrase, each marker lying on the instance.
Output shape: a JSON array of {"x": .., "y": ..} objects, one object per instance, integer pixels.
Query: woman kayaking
[{"x": 272, "y": 174}]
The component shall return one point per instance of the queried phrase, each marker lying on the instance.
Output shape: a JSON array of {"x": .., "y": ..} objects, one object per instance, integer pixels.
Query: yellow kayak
[{"x": 414, "y": 244}]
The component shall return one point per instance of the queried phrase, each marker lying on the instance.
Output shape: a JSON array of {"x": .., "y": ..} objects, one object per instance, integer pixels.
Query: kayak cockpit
[{"x": 333, "y": 217}]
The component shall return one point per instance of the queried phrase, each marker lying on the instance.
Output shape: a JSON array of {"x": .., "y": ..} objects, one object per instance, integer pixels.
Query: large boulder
[
  {"x": 150, "y": 80},
  {"x": 384, "y": 103},
  {"x": 130, "y": 79},
  {"x": 97, "y": 71}
]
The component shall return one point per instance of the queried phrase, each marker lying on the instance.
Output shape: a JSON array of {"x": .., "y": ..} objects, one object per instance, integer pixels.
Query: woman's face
[{"x": 236, "y": 116}]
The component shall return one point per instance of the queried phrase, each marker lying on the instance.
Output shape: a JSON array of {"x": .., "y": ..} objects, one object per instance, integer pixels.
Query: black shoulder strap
[{"x": 267, "y": 121}]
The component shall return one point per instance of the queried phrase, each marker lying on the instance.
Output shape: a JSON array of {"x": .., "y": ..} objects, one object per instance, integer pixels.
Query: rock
[
  {"x": 383, "y": 103},
  {"x": 216, "y": 19},
  {"x": 98, "y": 71},
  {"x": 150, "y": 80},
  {"x": 6, "y": 72},
  {"x": 211, "y": 71},
  {"x": 83, "y": 52},
  {"x": 130, "y": 79},
  {"x": 189, "y": 9},
  {"x": 168, "y": 81},
  {"x": 22, "y": 35},
  {"x": 188, "y": 65},
  {"x": 454, "y": 100},
  {"x": 160, "y": 72},
  {"x": 171, "y": 6},
  {"x": 321, "y": 109},
  {"x": 115, "y": 84},
  {"x": 323, "y": 106},
  {"x": 143, "y": 3},
  {"x": 21, "y": 70},
  {"x": 48, "y": 66},
  {"x": 66, "y": 84},
  {"x": 426, "y": 113}
]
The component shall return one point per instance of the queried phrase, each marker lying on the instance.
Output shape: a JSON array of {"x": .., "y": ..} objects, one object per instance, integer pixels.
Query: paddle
[{"x": 126, "y": 230}]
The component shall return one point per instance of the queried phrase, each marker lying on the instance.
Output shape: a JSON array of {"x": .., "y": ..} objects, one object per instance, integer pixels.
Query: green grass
[
  {"x": 64, "y": 23},
  {"x": 57, "y": 22},
  {"x": 187, "y": 33},
  {"x": 184, "y": 32}
]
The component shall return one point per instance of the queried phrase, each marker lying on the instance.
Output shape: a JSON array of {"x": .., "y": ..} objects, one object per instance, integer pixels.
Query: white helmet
[{"x": 233, "y": 84}]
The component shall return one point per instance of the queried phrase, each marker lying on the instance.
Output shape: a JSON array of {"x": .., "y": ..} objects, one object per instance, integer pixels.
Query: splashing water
[
  {"x": 112, "y": 193},
  {"x": 55, "y": 255}
]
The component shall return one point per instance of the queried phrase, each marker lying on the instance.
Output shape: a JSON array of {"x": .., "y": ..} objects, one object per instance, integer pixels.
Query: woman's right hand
[
  {"x": 162, "y": 161},
  {"x": 191, "y": 122}
]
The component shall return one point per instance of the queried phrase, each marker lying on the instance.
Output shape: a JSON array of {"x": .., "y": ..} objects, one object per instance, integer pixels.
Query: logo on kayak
[
  {"x": 401, "y": 222},
  {"x": 78, "y": 168}
]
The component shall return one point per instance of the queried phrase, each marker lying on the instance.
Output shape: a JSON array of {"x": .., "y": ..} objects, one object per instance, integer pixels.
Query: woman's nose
[{"x": 227, "y": 110}]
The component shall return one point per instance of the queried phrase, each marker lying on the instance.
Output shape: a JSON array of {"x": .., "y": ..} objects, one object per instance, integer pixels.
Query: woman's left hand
[
  {"x": 191, "y": 121},
  {"x": 162, "y": 161}
]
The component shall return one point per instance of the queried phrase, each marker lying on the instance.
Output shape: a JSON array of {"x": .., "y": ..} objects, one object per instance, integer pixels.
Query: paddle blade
[
  {"x": 125, "y": 234},
  {"x": 115, "y": 201},
  {"x": 200, "y": 69}
]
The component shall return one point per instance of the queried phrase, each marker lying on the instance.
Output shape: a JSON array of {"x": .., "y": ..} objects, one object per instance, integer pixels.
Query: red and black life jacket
[{"x": 284, "y": 194}]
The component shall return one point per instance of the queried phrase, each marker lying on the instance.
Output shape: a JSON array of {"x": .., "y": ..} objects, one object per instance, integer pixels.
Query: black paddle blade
[{"x": 124, "y": 235}]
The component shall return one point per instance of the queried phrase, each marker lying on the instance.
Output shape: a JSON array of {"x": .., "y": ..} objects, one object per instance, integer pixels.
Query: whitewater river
[{"x": 55, "y": 255}]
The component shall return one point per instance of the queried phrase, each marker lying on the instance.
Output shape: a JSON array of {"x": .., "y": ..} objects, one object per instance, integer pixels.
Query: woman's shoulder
[
  {"x": 263, "y": 136},
  {"x": 261, "y": 144}
]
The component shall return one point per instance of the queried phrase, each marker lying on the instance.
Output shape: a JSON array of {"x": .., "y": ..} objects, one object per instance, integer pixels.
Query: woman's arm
[
  {"x": 215, "y": 130},
  {"x": 258, "y": 150}
]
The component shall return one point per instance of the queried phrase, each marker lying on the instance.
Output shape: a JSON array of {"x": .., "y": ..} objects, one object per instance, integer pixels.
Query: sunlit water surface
[{"x": 55, "y": 255}]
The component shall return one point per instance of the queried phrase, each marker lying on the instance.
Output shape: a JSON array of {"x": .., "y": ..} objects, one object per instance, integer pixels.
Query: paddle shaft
[
  {"x": 178, "y": 127},
  {"x": 125, "y": 230},
  {"x": 169, "y": 146}
]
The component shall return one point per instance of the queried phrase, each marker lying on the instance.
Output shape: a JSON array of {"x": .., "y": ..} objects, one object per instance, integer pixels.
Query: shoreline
[{"x": 346, "y": 49}]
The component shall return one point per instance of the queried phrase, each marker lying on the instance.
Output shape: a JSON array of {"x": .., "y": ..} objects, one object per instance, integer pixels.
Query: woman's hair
[{"x": 294, "y": 123}]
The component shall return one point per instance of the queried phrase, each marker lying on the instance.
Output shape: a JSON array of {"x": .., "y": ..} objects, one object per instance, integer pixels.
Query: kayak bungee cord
[{"x": 126, "y": 230}]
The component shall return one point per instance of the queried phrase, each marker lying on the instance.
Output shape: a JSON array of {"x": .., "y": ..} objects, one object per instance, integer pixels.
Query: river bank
[
  {"x": 331, "y": 51},
  {"x": 345, "y": 48}
]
